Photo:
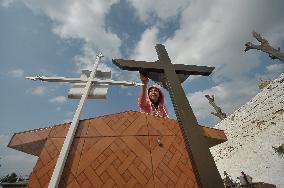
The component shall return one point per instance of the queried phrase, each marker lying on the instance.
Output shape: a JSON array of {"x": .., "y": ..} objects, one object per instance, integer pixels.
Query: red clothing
[{"x": 147, "y": 107}]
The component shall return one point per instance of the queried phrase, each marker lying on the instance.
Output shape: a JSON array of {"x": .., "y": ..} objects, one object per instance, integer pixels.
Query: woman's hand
[{"x": 144, "y": 79}]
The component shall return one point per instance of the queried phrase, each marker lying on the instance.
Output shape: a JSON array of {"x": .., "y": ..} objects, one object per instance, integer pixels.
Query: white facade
[{"x": 252, "y": 131}]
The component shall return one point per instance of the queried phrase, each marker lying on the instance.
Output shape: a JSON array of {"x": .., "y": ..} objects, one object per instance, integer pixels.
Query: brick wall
[{"x": 252, "y": 131}]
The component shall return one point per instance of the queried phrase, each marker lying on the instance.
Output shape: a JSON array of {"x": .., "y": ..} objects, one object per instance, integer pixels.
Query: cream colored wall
[{"x": 252, "y": 131}]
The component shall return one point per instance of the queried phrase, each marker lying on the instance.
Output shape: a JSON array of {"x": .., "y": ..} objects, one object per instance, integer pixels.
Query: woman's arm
[{"x": 143, "y": 89}]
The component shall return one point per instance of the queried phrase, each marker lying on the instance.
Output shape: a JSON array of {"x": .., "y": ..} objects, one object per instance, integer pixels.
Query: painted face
[{"x": 154, "y": 94}]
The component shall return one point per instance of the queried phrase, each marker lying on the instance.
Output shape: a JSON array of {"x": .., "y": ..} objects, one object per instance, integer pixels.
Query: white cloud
[
  {"x": 163, "y": 9},
  {"x": 80, "y": 19},
  {"x": 39, "y": 90},
  {"x": 213, "y": 33},
  {"x": 6, "y": 3},
  {"x": 217, "y": 37},
  {"x": 88, "y": 59},
  {"x": 271, "y": 71},
  {"x": 4, "y": 139},
  {"x": 58, "y": 100},
  {"x": 17, "y": 73},
  {"x": 145, "y": 48},
  {"x": 278, "y": 68},
  {"x": 228, "y": 95}
]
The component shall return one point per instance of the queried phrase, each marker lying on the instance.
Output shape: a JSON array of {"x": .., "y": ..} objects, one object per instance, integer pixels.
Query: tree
[
  {"x": 218, "y": 110},
  {"x": 265, "y": 47},
  {"x": 10, "y": 178}
]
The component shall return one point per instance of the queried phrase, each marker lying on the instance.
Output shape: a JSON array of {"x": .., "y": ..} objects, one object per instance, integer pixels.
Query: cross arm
[
  {"x": 193, "y": 69},
  {"x": 114, "y": 82},
  {"x": 132, "y": 65},
  {"x": 144, "y": 66},
  {"x": 79, "y": 80},
  {"x": 57, "y": 79}
]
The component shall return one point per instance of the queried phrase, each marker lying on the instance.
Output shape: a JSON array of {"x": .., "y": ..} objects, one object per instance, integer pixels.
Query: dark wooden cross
[{"x": 203, "y": 164}]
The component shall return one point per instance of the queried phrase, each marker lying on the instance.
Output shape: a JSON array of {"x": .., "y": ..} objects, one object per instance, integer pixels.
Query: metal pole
[{"x": 56, "y": 176}]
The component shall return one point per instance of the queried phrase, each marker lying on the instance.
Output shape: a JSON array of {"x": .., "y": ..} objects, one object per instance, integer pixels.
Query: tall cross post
[
  {"x": 56, "y": 176},
  {"x": 89, "y": 84},
  {"x": 203, "y": 164}
]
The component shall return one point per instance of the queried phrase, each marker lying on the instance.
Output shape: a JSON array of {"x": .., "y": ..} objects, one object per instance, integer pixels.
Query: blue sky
[{"x": 51, "y": 38}]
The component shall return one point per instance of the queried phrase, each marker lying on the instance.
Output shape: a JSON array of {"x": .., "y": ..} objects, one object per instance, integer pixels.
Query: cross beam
[
  {"x": 157, "y": 66},
  {"x": 203, "y": 164},
  {"x": 80, "y": 80}
]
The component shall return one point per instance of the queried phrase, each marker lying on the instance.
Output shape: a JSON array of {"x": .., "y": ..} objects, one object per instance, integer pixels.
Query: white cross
[{"x": 87, "y": 86}]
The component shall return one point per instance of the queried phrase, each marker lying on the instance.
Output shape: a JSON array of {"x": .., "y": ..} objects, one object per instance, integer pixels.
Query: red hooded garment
[{"x": 146, "y": 105}]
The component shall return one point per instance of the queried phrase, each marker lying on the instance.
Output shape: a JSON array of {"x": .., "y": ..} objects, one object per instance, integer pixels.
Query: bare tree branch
[
  {"x": 265, "y": 47},
  {"x": 221, "y": 115}
]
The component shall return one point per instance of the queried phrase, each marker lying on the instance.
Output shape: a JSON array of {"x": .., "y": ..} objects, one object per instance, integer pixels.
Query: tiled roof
[{"x": 129, "y": 149}]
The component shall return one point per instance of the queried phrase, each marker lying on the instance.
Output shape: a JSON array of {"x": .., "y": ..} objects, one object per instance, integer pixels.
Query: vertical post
[
  {"x": 56, "y": 176},
  {"x": 203, "y": 164}
]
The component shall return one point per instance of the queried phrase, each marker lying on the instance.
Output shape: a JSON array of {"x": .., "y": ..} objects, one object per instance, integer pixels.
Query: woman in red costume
[{"x": 151, "y": 101}]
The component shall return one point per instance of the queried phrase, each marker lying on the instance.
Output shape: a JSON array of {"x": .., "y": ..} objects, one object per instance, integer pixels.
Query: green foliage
[{"x": 10, "y": 178}]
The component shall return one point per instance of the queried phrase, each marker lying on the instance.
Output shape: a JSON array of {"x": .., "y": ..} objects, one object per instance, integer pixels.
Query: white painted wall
[{"x": 252, "y": 131}]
